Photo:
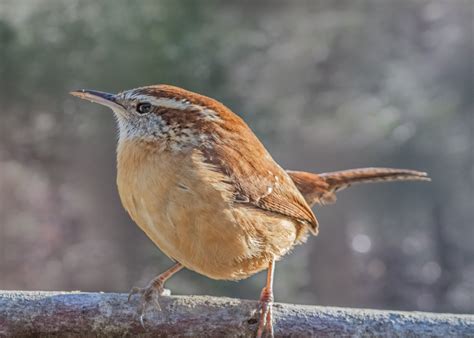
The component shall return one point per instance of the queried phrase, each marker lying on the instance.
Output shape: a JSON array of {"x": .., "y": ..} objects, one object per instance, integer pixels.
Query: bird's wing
[{"x": 256, "y": 180}]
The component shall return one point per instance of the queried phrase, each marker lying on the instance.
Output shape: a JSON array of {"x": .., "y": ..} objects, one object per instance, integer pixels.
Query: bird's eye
[{"x": 144, "y": 108}]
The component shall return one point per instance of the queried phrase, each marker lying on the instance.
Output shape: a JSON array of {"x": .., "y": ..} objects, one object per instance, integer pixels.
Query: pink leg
[{"x": 265, "y": 324}]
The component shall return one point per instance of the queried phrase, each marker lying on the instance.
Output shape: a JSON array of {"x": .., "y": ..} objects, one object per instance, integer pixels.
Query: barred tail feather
[{"x": 321, "y": 188}]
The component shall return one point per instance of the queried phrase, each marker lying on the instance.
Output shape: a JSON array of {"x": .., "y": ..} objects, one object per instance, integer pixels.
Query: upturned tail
[{"x": 321, "y": 188}]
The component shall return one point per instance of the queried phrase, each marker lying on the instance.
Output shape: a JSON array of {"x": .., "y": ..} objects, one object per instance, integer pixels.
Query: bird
[{"x": 200, "y": 184}]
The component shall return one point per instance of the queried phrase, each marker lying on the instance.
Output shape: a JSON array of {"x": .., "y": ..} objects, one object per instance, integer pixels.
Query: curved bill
[{"x": 105, "y": 99}]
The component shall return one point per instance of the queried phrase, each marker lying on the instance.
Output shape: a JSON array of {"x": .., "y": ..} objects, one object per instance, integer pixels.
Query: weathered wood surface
[{"x": 29, "y": 313}]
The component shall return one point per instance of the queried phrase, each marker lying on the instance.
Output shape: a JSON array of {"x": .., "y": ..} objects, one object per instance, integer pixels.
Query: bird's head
[{"x": 178, "y": 118}]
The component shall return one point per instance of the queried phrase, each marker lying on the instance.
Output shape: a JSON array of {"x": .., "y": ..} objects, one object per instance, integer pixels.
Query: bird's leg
[
  {"x": 265, "y": 323},
  {"x": 153, "y": 290}
]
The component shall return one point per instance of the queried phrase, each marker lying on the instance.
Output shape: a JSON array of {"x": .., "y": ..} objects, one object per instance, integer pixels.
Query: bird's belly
[
  {"x": 221, "y": 245},
  {"x": 193, "y": 220}
]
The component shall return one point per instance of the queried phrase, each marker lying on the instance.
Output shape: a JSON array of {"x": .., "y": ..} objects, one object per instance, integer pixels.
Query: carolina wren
[{"x": 199, "y": 183}]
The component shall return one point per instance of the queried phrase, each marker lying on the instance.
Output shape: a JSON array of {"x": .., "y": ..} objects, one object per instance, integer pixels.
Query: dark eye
[{"x": 144, "y": 108}]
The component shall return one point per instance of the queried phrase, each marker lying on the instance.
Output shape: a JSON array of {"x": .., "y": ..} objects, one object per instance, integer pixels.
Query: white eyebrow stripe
[
  {"x": 205, "y": 112},
  {"x": 166, "y": 102}
]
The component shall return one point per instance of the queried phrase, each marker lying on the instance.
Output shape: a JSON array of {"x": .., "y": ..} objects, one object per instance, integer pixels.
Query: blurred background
[{"x": 327, "y": 85}]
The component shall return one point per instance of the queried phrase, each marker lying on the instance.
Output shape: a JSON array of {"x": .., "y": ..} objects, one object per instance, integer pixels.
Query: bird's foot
[
  {"x": 265, "y": 323},
  {"x": 149, "y": 296}
]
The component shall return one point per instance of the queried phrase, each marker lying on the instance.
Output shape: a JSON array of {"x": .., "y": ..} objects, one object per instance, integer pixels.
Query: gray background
[{"x": 326, "y": 85}]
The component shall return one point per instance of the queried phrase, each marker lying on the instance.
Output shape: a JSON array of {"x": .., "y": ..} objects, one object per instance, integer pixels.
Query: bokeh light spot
[{"x": 361, "y": 243}]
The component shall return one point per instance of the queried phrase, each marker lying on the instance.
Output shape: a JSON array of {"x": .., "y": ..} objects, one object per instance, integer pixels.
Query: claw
[
  {"x": 269, "y": 320},
  {"x": 148, "y": 294},
  {"x": 265, "y": 324},
  {"x": 152, "y": 291},
  {"x": 264, "y": 309},
  {"x": 157, "y": 303},
  {"x": 132, "y": 292}
]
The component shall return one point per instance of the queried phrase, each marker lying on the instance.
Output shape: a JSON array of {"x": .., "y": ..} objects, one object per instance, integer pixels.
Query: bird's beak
[{"x": 105, "y": 99}]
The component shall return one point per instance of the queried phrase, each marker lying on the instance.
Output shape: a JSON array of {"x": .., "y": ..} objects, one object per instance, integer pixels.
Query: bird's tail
[{"x": 321, "y": 188}]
